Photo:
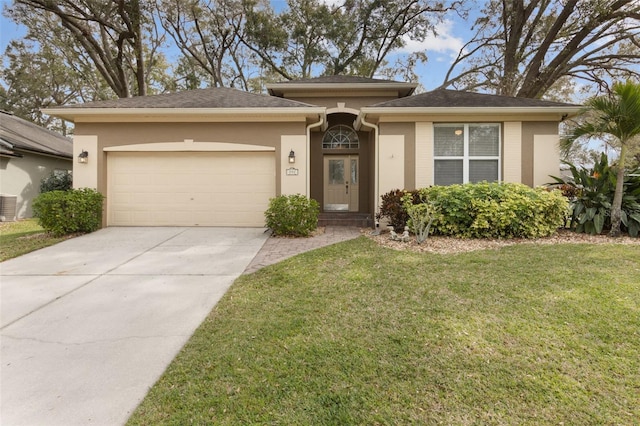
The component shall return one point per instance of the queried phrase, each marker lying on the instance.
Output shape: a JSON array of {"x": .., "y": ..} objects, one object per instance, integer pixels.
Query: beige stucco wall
[
  {"x": 546, "y": 150},
  {"x": 391, "y": 163},
  {"x": 529, "y": 151},
  {"x": 105, "y": 135},
  {"x": 22, "y": 176},
  {"x": 424, "y": 154},
  {"x": 546, "y": 158},
  {"x": 85, "y": 175},
  {"x": 293, "y": 176},
  {"x": 333, "y": 101},
  {"x": 512, "y": 152},
  {"x": 408, "y": 131}
]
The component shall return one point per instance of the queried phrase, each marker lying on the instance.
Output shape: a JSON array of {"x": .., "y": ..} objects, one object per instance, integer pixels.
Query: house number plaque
[{"x": 292, "y": 171}]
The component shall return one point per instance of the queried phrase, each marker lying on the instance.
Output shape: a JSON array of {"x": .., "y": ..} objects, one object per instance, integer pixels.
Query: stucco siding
[
  {"x": 22, "y": 177},
  {"x": 552, "y": 155},
  {"x": 119, "y": 134},
  {"x": 424, "y": 154},
  {"x": 512, "y": 152},
  {"x": 546, "y": 159},
  {"x": 391, "y": 163},
  {"x": 293, "y": 176},
  {"x": 333, "y": 101},
  {"x": 408, "y": 131}
]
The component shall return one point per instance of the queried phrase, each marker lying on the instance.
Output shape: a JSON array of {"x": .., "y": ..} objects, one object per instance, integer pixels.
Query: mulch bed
[{"x": 448, "y": 245}]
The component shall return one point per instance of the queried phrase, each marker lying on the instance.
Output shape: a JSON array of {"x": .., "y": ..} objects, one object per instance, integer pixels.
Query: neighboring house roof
[
  {"x": 443, "y": 98},
  {"x": 215, "y": 97},
  {"x": 17, "y": 135}
]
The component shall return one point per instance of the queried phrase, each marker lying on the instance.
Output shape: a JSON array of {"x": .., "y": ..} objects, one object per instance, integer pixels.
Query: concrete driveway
[{"x": 90, "y": 324}]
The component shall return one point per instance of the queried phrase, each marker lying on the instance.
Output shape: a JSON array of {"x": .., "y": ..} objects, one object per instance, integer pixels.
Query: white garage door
[{"x": 189, "y": 188}]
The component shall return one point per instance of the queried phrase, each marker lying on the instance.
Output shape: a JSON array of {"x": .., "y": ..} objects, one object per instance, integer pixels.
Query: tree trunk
[{"x": 616, "y": 207}]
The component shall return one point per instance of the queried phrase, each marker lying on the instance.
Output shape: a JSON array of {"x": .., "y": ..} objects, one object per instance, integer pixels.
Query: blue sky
[{"x": 440, "y": 51}]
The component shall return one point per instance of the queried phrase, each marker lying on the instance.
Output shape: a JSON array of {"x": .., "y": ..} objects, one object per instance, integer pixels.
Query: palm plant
[{"x": 616, "y": 115}]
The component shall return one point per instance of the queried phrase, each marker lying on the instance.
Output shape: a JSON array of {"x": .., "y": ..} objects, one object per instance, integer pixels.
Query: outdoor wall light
[
  {"x": 292, "y": 157},
  {"x": 83, "y": 157},
  {"x": 458, "y": 132}
]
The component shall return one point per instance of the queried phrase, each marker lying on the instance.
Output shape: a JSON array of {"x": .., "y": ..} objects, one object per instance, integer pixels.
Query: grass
[
  {"x": 356, "y": 334},
  {"x": 24, "y": 236}
]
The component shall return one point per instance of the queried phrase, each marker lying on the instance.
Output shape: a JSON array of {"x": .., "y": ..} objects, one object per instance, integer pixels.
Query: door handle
[{"x": 346, "y": 184}]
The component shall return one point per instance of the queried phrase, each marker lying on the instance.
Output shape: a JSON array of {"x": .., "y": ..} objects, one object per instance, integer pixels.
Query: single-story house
[
  {"x": 28, "y": 153},
  {"x": 214, "y": 157}
]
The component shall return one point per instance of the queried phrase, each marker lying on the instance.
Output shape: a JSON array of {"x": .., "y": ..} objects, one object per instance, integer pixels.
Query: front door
[{"x": 341, "y": 183}]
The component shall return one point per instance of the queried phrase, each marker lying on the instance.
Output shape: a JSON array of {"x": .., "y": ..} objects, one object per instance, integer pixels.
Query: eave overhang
[
  {"x": 558, "y": 113},
  {"x": 119, "y": 115}
]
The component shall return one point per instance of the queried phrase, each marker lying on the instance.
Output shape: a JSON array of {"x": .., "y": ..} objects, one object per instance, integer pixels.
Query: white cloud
[{"x": 444, "y": 42}]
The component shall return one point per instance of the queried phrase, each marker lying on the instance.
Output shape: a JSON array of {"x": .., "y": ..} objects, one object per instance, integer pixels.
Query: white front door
[{"x": 341, "y": 183}]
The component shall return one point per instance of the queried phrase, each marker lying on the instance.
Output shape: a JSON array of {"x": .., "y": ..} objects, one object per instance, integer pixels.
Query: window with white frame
[{"x": 467, "y": 152}]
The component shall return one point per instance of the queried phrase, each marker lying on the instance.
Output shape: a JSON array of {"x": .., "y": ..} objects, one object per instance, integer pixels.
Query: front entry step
[{"x": 361, "y": 220}]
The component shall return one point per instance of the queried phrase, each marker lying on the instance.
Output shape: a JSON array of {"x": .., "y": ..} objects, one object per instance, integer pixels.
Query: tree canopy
[{"x": 531, "y": 48}]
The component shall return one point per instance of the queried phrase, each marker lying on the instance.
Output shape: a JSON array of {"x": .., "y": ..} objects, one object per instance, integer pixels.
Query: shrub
[
  {"x": 56, "y": 181},
  {"x": 421, "y": 215},
  {"x": 591, "y": 195},
  {"x": 67, "y": 212},
  {"x": 294, "y": 215},
  {"x": 496, "y": 210},
  {"x": 393, "y": 208}
]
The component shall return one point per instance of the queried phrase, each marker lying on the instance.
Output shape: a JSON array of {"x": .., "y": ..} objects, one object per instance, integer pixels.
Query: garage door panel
[{"x": 189, "y": 189}]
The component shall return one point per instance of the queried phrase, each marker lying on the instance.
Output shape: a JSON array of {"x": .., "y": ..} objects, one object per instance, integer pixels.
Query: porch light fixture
[
  {"x": 292, "y": 157},
  {"x": 83, "y": 157}
]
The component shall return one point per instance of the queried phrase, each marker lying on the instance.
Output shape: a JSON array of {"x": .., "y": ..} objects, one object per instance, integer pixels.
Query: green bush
[
  {"x": 591, "y": 191},
  {"x": 68, "y": 212},
  {"x": 56, "y": 181},
  {"x": 496, "y": 210},
  {"x": 294, "y": 215}
]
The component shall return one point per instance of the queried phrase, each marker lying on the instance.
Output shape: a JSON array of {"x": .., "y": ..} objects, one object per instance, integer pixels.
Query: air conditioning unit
[{"x": 8, "y": 204}]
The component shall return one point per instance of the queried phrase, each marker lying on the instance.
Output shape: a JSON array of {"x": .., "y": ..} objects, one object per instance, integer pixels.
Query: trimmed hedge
[
  {"x": 68, "y": 212},
  {"x": 496, "y": 210},
  {"x": 293, "y": 215},
  {"x": 483, "y": 210}
]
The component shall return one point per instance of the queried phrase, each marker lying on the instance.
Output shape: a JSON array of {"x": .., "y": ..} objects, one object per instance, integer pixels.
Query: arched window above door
[{"x": 340, "y": 137}]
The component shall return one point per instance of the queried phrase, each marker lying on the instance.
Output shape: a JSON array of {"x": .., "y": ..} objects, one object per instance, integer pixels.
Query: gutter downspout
[
  {"x": 308, "y": 165},
  {"x": 376, "y": 178}
]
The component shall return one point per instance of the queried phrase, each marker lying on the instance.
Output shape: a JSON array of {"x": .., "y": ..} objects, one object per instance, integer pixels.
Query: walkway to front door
[{"x": 341, "y": 183}]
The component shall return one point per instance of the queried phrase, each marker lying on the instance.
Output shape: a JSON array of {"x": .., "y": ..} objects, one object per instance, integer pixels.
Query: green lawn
[
  {"x": 24, "y": 236},
  {"x": 356, "y": 334}
]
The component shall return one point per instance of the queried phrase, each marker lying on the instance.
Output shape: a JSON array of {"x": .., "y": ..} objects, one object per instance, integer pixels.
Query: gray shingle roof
[
  {"x": 19, "y": 134},
  {"x": 216, "y": 97},
  {"x": 443, "y": 98}
]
